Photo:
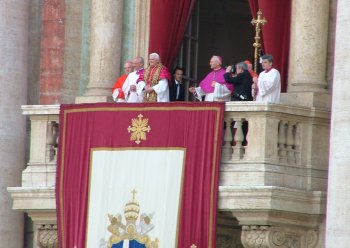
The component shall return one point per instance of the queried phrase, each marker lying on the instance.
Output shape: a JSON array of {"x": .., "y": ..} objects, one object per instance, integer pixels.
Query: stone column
[
  {"x": 308, "y": 46},
  {"x": 338, "y": 203},
  {"x": 105, "y": 49},
  {"x": 142, "y": 28},
  {"x": 13, "y": 84}
]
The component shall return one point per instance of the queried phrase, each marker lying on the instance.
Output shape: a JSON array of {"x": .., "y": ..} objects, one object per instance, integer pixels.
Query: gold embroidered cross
[{"x": 138, "y": 129}]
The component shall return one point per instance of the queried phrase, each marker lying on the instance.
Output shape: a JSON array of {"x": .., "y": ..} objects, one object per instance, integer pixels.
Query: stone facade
[{"x": 13, "y": 83}]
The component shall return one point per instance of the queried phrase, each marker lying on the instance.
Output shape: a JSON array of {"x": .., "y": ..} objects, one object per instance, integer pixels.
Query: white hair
[
  {"x": 217, "y": 59},
  {"x": 154, "y": 56}
]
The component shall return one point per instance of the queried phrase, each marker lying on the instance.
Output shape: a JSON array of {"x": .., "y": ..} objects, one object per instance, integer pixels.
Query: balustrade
[{"x": 270, "y": 161}]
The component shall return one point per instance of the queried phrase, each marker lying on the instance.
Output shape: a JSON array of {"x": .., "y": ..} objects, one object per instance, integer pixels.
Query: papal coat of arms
[{"x": 133, "y": 230}]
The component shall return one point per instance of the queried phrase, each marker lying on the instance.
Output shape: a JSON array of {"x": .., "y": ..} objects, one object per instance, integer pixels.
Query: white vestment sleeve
[
  {"x": 221, "y": 91},
  {"x": 126, "y": 87},
  {"x": 161, "y": 87},
  {"x": 162, "y": 90},
  {"x": 115, "y": 94},
  {"x": 139, "y": 87},
  {"x": 199, "y": 93}
]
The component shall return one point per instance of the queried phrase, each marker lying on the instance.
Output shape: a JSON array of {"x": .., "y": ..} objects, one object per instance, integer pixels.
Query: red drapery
[
  {"x": 197, "y": 127},
  {"x": 168, "y": 23},
  {"x": 276, "y": 32}
]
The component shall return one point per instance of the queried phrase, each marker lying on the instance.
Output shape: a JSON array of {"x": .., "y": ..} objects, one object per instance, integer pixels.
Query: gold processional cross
[{"x": 257, "y": 44}]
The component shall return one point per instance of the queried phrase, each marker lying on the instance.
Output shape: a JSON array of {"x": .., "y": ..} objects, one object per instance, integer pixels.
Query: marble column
[
  {"x": 13, "y": 84},
  {"x": 105, "y": 49},
  {"x": 142, "y": 28},
  {"x": 308, "y": 46},
  {"x": 338, "y": 202}
]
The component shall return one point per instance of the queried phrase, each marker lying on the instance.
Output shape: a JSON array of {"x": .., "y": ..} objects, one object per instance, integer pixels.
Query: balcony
[{"x": 272, "y": 182}]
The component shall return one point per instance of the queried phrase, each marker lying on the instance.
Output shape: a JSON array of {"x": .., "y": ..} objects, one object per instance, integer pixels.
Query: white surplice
[
  {"x": 269, "y": 86},
  {"x": 131, "y": 96}
]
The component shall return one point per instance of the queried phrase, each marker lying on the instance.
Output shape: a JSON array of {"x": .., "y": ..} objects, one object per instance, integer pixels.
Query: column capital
[{"x": 276, "y": 236}]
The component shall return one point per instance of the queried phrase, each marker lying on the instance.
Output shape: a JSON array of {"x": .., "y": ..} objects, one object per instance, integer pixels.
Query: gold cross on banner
[{"x": 133, "y": 194}]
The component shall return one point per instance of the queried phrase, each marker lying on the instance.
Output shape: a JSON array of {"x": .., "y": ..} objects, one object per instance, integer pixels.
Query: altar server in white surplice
[{"x": 269, "y": 82}]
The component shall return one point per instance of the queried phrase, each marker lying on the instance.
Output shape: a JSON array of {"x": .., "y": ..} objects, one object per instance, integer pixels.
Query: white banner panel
[{"x": 156, "y": 176}]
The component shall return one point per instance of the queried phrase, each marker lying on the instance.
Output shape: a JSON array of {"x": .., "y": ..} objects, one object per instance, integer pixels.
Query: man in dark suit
[
  {"x": 177, "y": 88},
  {"x": 242, "y": 82}
]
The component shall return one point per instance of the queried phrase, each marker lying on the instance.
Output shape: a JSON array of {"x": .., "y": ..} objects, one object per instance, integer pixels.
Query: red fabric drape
[
  {"x": 168, "y": 22},
  {"x": 103, "y": 125},
  {"x": 276, "y": 32}
]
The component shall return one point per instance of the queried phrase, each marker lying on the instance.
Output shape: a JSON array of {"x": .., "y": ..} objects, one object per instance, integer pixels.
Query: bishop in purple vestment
[{"x": 214, "y": 86}]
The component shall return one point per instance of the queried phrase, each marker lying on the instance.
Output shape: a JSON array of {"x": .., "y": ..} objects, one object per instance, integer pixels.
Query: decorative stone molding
[
  {"x": 278, "y": 237},
  {"x": 47, "y": 236}
]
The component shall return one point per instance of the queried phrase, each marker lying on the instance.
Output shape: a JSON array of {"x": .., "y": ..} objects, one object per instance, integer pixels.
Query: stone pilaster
[
  {"x": 338, "y": 203},
  {"x": 52, "y": 51},
  {"x": 105, "y": 49},
  {"x": 72, "y": 66},
  {"x": 13, "y": 83}
]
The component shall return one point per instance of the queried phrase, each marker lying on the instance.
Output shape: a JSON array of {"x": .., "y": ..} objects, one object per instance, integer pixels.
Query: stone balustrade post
[
  {"x": 41, "y": 169},
  {"x": 227, "y": 147},
  {"x": 238, "y": 149}
]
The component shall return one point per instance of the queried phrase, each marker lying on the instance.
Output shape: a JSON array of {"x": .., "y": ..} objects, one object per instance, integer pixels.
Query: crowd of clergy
[{"x": 238, "y": 82}]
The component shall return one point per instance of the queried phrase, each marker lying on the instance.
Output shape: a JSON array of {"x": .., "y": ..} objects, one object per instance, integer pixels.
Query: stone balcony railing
[{"x": 272, "y": 185}]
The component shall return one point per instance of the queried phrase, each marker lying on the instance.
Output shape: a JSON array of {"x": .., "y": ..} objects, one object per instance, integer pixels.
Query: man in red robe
[{"x": 117, "y": 92}]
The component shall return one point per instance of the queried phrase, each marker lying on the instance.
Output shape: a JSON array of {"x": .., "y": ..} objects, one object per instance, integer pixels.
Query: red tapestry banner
[{"x": 138, "y": 175}]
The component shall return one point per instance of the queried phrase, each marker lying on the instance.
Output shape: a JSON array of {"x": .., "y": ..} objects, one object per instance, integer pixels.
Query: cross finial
[
  {"x": 259, "y": 20},
  {"x": 133, "y": 192}
]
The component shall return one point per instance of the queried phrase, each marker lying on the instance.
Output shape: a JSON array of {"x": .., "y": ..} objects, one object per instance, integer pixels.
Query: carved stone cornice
[
  {"x": 47, "y": 236},
  {"x": 278, "y": 237}
]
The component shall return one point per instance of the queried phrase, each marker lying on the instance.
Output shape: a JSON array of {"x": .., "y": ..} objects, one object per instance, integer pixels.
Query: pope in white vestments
[{"x": 153, "y": 85}]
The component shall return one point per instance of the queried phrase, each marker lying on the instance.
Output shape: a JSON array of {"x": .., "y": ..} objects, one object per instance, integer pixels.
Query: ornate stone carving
[
  {"x": 47, "y": 236},
  {"x": 278, "y": 237},
  {"x": 254, "y": 236},
  {"x": 311, "y": 239}
]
